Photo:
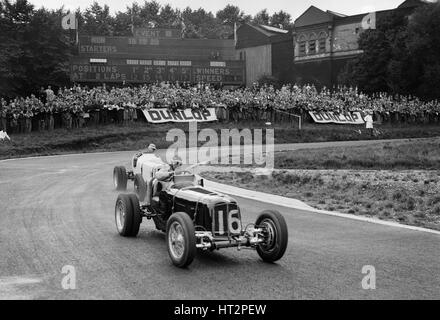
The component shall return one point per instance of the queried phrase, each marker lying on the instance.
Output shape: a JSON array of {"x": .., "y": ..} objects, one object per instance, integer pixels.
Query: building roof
[
  {"x": 313, "y": 15},
  {"x": 251, "y": 35},
  {"x": 273, "y": 29},
  {"x": 412, "y": 3},
  {"x": 336, "y": 14}
]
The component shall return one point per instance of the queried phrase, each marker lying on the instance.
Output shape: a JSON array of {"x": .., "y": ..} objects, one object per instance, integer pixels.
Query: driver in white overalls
[
  {"x": 150, "y": 149},
  {"x": 166, "y": 172}
]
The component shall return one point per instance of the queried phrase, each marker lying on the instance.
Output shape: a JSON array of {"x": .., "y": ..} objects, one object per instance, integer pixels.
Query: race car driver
[
  {"x": 150, "y": 149},
  {"x": 165, "y": 173}
]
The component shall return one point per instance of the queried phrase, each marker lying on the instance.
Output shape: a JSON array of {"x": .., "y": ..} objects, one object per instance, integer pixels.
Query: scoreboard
[
  {"x": 152, "y": 55},
  {"x": 156, "y": 48},
  {"x": 148, "y": 70}
]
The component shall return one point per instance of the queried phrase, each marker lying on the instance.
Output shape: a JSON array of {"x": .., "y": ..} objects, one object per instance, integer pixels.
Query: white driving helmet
[{"x": 152, "y": 147}]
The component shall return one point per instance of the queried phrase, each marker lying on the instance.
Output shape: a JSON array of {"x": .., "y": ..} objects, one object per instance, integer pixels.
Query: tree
[
  {"x": 149, "y": 14},
  {"x": 122, "y": 23},
  {"x": 230, "y": 15},
  {"x": 168, "y": 17},
  {"x": 14, "y": 17},
  {"x": 200, "y": 24},
  {"x": 47, "y": 50},
  {"x": 34, "y": 50},
  {"x": 401, "y": 56},
  {"x": 97, "y": 20},
  {"x": 371, "y": 70},
  {"x": 262, "y": 17},
  {"x": 423, "y": 44},
  {"x": 281, "y": 20}
]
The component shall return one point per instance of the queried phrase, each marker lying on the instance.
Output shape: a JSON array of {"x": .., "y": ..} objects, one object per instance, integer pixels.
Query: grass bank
[
  {"x": 419, "y": 154},
  {"x": 396, "y": 181},
  {"x": 138, "y": 135},
  {"x": 408, "y": 197}
]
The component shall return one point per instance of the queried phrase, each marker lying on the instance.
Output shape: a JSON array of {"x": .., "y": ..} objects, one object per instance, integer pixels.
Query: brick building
[
  {"x": 324, "y": 41},
  {"x": 315, "y": 52}
]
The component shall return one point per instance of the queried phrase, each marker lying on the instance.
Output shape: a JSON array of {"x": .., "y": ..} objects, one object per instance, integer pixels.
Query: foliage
[
  {"x": 35, "y": 50},
  {"x": 401, "y": 56}
]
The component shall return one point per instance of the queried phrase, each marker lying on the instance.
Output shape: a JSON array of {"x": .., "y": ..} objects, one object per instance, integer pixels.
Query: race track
[{"x": 59, "y": 211}]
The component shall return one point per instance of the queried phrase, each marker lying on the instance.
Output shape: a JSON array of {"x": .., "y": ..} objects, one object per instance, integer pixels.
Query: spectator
[
  {"x": 76, "y": 105},
  {"x": 50, "y": 96},
  {"x": 369, "y": 122}
]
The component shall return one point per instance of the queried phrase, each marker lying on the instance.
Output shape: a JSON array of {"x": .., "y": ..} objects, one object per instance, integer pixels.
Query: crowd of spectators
[{"x": 80, "y": 106}]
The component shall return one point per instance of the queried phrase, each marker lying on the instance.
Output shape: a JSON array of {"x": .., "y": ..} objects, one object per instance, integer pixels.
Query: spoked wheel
[
  {"x": 120, "y": 178},
  {"x": 275, "y": 235},
  {"x": 127, "y": 215},
  {"x": 181, "y": 239}
]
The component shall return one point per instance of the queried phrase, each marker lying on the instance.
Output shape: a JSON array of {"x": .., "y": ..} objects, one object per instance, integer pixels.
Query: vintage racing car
[{"x": 192, "y": 216}]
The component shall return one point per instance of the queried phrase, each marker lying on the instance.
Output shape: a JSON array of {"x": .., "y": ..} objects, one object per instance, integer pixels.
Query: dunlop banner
[
  {"x": 162, "y": 115},
  {"x": 335, "y": 117}
]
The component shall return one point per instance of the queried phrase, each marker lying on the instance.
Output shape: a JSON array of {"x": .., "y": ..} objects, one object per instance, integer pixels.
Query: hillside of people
[{"x": 78, "y": 106}]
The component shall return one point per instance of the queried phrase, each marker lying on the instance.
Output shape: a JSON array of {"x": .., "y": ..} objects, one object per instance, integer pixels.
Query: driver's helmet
[
  {"x": 152, "y": 147},
  {"x": 176, "y": 162}
]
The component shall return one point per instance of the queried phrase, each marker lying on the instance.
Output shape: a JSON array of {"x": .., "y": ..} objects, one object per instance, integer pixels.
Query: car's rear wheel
[
  {"x": 140, "y": 187},
  {"x": 181, "y": 239},
  {"x": 127, "y": 215},
  {"x": 275, "y": 235},
  {"x": 120, "y": 178}
]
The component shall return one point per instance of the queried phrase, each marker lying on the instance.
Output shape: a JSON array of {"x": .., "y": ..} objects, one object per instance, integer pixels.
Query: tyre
[
  {"x": 140, "y": 187},
  {"x": 120, "y": 178},
  {"x": 276, "y": 235},
  {"x": 181, "y": 239},
  {"x": 127, "y": 215},
  {"x": 137, "y": 217}
]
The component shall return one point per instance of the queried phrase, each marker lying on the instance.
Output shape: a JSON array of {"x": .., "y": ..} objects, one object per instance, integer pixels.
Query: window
[
  {"x": 322, "y": 45},
  {"x": 322, "y": 41},
  {"x": 302, "y": 48},
  {"x": 302, "y": 45},
  {"x": 312, "y": 44}
]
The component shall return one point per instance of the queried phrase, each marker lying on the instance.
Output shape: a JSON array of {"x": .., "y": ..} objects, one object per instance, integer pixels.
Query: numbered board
[{"x": 152, "y": 70}]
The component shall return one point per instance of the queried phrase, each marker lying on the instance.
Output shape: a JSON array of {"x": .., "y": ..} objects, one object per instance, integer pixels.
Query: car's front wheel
[
  {"x": 127, "y": 215},
  {"x": 120, "y": 178},
  {"x": 275, "y": 235},
  {"x": 181, "y": 239}
]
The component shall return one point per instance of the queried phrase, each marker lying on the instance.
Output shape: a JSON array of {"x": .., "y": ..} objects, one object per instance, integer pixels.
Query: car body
[{"x": 193, "y": 217}]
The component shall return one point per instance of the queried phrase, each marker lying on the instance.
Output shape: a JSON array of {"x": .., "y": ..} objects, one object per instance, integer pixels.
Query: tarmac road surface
[{"x": 59, "y": 211}]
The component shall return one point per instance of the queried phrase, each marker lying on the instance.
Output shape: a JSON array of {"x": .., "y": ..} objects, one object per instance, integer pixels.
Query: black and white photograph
[{"x": 219, "y": 157}]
